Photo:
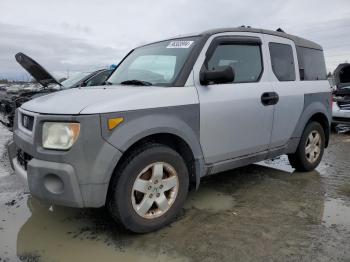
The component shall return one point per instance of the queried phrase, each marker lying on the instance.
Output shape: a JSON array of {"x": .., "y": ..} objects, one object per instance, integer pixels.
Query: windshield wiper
[{"x": 136, "y": 83}]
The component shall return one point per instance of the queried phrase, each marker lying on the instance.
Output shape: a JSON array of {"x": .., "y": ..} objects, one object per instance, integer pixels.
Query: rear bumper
[
  {"x": 340, "y": 116},
  {"x": 340, "y": 120}
]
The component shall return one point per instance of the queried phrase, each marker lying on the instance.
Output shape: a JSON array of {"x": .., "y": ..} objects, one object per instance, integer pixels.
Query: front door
[{"x": 234, "y": 122}]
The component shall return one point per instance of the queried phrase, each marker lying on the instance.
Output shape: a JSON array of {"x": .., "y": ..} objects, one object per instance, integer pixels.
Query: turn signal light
[{"x": 114, "y": 122}]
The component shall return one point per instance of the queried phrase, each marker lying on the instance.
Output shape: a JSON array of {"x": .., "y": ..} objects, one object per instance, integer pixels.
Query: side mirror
[
  {"x": 222, "y": 75},
  {"x": 83, "y": 84}
]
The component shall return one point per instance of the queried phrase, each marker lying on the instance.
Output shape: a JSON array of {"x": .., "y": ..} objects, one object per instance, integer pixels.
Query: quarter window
[
  {"x": 282, "y": 61},
  {"x": 311, "y": 64},
  {"x": 245, "y": 60}
]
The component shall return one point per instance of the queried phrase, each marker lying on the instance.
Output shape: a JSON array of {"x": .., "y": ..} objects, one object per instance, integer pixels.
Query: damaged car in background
[
  {"x": 13, "y": 98},
  {"x": 341, "y": 98}
]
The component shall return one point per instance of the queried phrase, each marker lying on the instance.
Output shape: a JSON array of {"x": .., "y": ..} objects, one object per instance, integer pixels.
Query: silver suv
[{"x": 173, "y": 112}]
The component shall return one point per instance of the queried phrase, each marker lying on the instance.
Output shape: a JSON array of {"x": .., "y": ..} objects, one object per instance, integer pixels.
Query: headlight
[{"x": 59, "y": 135}]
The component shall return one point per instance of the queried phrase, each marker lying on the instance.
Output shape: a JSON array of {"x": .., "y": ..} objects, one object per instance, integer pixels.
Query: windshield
[
  {"x": 73, "y": 80},
  {"x": 154, "y": 64}
]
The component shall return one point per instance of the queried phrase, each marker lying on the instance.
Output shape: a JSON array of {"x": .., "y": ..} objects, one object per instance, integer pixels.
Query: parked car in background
[
  {"x": 341, "y": 95},
  {"x": 173, "y": 112},
  {"x": 15, "y": 96}
]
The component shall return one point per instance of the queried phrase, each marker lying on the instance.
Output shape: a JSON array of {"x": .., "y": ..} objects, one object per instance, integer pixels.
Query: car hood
[
  {"x": 341, "y": 75},
  {"x": 35, "y": 70},
  {"x": 105, "y": 99}
]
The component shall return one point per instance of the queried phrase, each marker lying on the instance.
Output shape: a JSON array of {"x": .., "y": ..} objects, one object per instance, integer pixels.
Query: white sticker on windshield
[{"x": 179, "y": 44}]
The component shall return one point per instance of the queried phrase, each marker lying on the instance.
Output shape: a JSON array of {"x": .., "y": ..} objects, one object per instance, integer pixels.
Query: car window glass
[
  {"x": 162, "y": 66},
  {"x": 74, "y": 80},
  {"x": 160, "y": 63},
  {"x": 244, "y": 59},
  {"x": 313, "y": 64},
  {"x": 282, "y": 61},
  {"x": 98, "y": 79}
]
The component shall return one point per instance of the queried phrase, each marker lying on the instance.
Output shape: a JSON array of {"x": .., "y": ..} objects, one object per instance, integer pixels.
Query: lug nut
[
  {"x": 155, "y": 181},
  {"x": 158, "y": 195},
  {"x": 150, "y": 196},
  {"x": 150, "y": 187},
  {"x": 161, "y": 186}
]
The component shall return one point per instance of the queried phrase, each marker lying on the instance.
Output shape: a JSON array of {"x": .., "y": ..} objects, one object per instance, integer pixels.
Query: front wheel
[
  {"x": 310, "y": 150},
  {"x": 149, "y": 188}
]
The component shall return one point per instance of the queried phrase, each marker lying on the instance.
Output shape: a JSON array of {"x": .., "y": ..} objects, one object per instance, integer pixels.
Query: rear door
[
  {"x": 233, "y": 120},
  {"x": 284, "y": 75}
]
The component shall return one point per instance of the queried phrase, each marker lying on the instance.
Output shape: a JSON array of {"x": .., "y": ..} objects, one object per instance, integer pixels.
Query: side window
[
  {"x": 311, "y": 64},
  {"x": 99, "y": 79},
  {"x": 282, "y": 61},
  {"x": 245, "y": 59}
]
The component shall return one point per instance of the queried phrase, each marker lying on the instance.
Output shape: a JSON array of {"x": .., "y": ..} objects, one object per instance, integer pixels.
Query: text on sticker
[{"x": 179, "y": 44}]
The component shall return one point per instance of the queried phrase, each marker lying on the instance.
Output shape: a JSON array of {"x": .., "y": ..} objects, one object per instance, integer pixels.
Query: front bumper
[
  {"x": 54, "y": 182},
  {"x": 78, "y": 177}
]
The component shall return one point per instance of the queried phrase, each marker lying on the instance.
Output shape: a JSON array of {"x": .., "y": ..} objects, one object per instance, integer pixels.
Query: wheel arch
[
  {"x": 190, "y": 152},
  {"x": 323, "y": 120},
  {"x": 316, "y": 111}
]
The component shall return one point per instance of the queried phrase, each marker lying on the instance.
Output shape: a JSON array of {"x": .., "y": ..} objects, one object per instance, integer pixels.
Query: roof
[{"x": 297, "y": 40}]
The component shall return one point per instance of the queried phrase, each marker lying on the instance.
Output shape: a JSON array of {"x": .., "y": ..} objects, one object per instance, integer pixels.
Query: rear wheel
[
  {"x": 149, "y": 188},
  {"x": 310, "y": 150}
]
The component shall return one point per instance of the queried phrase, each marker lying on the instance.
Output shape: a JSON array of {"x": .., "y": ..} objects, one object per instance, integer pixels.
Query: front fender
[{"x": 182, "y": 121}]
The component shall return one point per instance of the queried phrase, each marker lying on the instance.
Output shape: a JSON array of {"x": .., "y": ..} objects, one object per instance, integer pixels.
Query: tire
[
  {"x": 131, "y": 195},
  {"x": 302, "y": 160}
]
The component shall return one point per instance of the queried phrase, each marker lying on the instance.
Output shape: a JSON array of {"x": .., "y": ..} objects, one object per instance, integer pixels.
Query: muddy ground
[{"x": 262, "y": 212}]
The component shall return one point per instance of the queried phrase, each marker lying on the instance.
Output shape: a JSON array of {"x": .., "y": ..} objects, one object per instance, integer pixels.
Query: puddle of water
[
  {"x": 38, "y": 232},
  {"x": 344, "y": 190},
  {"x": 336, "y": 213},
  {"x": 209, "y": 199},
  {"x": 12, "y": 217}
]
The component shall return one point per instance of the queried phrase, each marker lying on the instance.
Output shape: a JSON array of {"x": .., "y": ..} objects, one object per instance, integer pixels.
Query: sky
[{"x": 70, "y": 36}]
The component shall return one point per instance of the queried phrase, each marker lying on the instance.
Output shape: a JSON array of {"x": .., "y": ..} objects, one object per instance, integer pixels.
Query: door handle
[{"x": 269, "y": 98}]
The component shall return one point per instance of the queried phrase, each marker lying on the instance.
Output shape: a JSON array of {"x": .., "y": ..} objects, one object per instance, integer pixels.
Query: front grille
[
  {"x": 27, "y": 121},
  {"x": 23, "y": 158}
]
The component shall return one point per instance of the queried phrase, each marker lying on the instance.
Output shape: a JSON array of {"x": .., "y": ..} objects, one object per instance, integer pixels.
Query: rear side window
[
  {"x": 282, "y": 61},
  {"x": 245, "y": 59},
  {"x": 311, "y": 64}
]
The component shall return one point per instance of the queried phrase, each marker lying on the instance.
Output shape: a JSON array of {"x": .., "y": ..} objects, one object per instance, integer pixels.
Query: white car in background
[{"x": 341, "y": 96}]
